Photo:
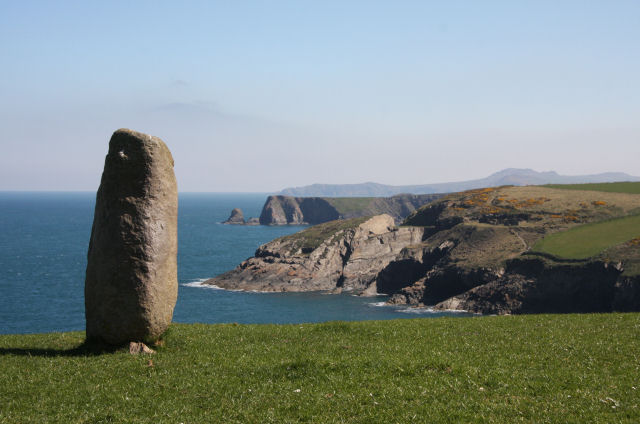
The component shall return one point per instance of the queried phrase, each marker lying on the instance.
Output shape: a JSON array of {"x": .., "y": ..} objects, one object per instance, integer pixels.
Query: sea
[{"x": 44, "y": 238}]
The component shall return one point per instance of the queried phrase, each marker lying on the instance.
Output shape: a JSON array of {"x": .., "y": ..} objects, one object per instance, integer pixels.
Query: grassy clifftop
[
  {"x": 571, "y": 221},
  {"x": 536, "y": 368},
  {"x": 620, "y": 187},
  {"x": 311, "y": 238}
]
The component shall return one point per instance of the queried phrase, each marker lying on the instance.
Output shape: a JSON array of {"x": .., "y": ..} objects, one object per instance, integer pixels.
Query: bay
[{"x": 44, "y": 238}]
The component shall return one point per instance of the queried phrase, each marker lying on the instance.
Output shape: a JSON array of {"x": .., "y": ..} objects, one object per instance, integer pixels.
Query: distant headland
[{"x": 509, "y": 176}]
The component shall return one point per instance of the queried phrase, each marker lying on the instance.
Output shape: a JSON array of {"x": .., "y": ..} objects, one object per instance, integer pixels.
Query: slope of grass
[
  {"x": 312, "y": 237},
  {"x": 620, "y": 187},
  {"x": 537, "y": 368},
  {"x": 588, "y": 240},
  {"x": 346, "y": 205}
]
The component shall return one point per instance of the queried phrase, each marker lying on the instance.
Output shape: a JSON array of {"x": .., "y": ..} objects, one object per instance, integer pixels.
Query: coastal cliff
[
  {"x": 288, "y": 210},
  {"x": 480, "y": 250},
  {"x": 338, "y": 255}
]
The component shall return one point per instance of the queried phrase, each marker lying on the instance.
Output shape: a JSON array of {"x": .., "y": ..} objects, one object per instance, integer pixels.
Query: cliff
[
  {"x": 480, "y": 250},
  {"x": 343, "y": 254},
  {"x": 287, "y": 210}
]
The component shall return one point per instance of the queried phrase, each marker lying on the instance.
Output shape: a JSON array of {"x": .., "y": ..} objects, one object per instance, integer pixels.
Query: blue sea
[{"x": 44, "y": 238}]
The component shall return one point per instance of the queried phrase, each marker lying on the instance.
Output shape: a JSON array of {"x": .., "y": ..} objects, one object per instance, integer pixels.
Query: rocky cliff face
[
  {"x": 478, "y": 256},
  {"x": 287, "y": 210},
  {"x": 340, "y": 255},
  {"x": 537, "y": 285},
  {"x": 467, "y": 251}
]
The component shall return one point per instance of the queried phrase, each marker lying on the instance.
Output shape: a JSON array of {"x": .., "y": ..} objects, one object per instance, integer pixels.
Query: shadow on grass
[{"x": 87, "y": 348}]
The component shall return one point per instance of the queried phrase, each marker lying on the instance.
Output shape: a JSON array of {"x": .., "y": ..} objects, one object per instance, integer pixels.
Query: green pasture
[
  {"x": 589, "y": 240},
  {"x": 620, "y": 187},
  {"x": 506, "y": 369}
]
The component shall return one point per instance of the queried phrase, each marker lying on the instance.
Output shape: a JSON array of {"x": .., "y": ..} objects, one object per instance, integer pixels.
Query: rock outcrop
[
  {"x": 338, "y": 255},
  {"x": 131, "y": 282},
  {"x": 537, "y": 285},
  {"x": 468, "y": 251},
  {"x": 287, "y": 210},
  {"x": 236, "y": 217}
]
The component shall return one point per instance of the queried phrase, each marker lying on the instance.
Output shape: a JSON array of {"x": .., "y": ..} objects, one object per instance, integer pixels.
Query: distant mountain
[{"x": 510, "y": 176}]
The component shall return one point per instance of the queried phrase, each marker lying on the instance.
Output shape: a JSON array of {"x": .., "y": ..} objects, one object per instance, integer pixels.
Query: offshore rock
[
  {"x": 236, "y": 217},
  {"x": 131, "y": 283}
]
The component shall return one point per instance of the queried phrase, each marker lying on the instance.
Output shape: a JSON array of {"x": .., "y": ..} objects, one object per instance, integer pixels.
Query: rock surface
[
  {"x": 131, "y": 282},
  {"x": 468, "y": 251},
  {"x": 287, "y": 210},
  {"x": 236, "y": 217},
  {"x": 348, "y": 256},
  {"x": 136, "y": 348}
]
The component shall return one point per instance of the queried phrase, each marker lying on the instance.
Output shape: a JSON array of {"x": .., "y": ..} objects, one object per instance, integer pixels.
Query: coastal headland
[{"x": 499, "y": 250}]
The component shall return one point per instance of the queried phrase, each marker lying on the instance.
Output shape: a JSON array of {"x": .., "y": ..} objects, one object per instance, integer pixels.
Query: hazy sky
[{"x": 258, "y": 96}]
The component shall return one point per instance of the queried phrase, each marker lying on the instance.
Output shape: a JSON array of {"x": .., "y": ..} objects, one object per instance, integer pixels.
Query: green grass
[
  {"x": 589, "y": 240},
  {"x": 346, "y": 205},
  {"x": 312, "y": 237},
  {"x": 532, "y": 369},
  {"x": 621, "y": 187}
]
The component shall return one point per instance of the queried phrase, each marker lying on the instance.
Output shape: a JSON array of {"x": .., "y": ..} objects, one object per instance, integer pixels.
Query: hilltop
[
  {"x": 510, "y": 176},
  {"x": 493, "y": 250}
]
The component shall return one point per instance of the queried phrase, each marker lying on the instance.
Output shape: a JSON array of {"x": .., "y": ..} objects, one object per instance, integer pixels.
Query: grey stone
[
  {"x": 136, "y": 348},
  {"x": 236, "y": 217},
  {"x": 131, "y": 282},
  {"x": 348, "y": 259}
]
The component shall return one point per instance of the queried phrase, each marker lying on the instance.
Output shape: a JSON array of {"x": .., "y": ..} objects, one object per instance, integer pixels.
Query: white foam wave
[
  {"x": 418, "y": 311},
  {"x": 378, "y": 304},
  {"x": 429, "y": 310},
  {"x": 199, "y": 283}
]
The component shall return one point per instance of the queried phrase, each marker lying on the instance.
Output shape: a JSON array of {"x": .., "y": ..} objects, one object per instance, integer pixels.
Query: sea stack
[
  {"x": 131, "y": 283},
  {"x": 236, "y": 217}
]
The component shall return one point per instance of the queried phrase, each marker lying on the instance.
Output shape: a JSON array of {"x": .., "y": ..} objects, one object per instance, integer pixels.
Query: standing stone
[{"x": 131, "y": 284}]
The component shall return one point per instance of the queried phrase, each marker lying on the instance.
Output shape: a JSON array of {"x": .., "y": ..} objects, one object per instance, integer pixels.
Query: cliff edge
[
  {"x": 288, "y": 210},
  {"x": 487, "y": 251}
]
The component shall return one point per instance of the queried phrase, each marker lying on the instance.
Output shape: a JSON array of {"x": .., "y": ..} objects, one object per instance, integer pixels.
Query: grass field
[
  {"x": 346, "y": 205},
  {"x": 536, "y": 368},
  {"x": 589, "y": 240},
  {"x": 621, "y": 187}
]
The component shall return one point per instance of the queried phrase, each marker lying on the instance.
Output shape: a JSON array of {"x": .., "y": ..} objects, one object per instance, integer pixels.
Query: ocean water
[{"x": 44, "y": 238}]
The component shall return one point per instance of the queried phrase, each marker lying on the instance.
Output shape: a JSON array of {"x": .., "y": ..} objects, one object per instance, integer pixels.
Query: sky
[{"x": 257, "y": 96}]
